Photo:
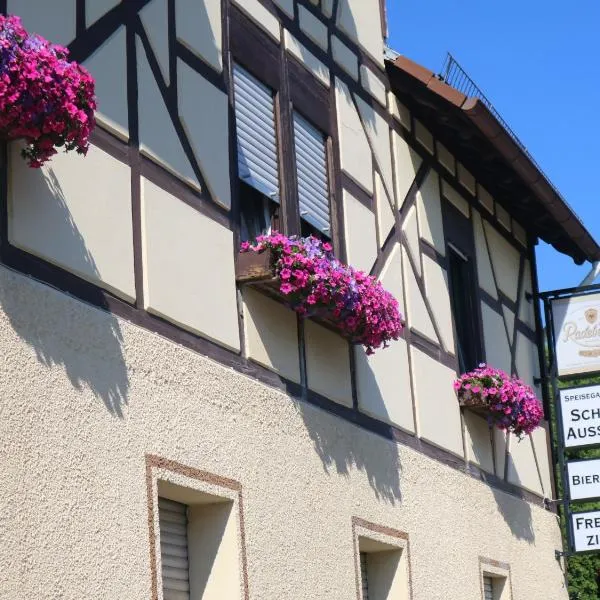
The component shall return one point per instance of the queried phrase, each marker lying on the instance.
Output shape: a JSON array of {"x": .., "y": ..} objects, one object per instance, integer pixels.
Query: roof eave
[{"x": 576, "y": 241}]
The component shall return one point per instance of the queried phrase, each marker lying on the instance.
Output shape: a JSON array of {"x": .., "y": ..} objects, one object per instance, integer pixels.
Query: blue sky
[{"x": 538, "y": 62}]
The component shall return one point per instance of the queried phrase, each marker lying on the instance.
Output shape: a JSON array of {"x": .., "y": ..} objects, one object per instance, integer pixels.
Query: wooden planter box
[
  {"x": 258, "y": 270},
  {"x": 255, "y": 268},
  {"x": 476, "y": 405}
]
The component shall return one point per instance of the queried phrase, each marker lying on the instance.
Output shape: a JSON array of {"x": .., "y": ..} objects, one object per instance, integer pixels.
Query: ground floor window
[
  {"x": 381, "y": 561},
  {"x": 495, "y": 580},
  {"x": 196, "y": 533},
  {"x": 173, "y": 523},
  {"x": 364, "y": 576},
  {"x": 488, "y": 588}
]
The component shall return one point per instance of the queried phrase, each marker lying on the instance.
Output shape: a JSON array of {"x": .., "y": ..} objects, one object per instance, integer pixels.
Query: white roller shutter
[
  {"x": 488, "y": 588},
  {"x": 364, "y": 578},
  {"x": 311, "y": 168},
  {"x": 256, "y": 134},
  {"x": 173, "y": 523}
]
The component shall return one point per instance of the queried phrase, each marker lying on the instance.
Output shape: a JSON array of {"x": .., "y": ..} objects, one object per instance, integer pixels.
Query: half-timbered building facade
[{"x": 172, "y": 433}]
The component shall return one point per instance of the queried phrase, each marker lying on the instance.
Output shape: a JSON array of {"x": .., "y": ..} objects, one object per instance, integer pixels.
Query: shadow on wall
[
  {"x": 342, "y": 448},
  {"x": 87, "y": 343},
  {"x": 518, "y": 516}
]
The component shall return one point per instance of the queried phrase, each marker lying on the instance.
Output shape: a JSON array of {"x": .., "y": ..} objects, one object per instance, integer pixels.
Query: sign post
[{"x": 573, "y": 335}]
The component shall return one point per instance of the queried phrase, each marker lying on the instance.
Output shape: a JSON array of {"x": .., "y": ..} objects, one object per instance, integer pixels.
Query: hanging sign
[
  {"x": 584, "y": 479},
  {"x": 580, "y": 407},
  {"x": 577, "y": 334},
  {"x": 586, "y": 531}
]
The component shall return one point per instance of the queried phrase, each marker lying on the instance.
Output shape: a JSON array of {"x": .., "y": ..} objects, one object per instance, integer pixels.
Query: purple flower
[
  {"x": 364, "y": 311},
  {"x": 512, "y": 404},
  {"x": 44, "y": 99}
]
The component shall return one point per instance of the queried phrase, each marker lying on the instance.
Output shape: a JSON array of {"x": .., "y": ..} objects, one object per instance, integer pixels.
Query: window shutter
[
  {"x": 488, "y": 588},
  {"x": 172, "y": 517},
  {"x": 363, "y": 576},
  {"x": 256, "y": 136},
  {"x": 311, "y": 169}
]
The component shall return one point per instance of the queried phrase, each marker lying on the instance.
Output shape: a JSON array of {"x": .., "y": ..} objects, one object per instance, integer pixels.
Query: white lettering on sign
[
  {"x": 584, "y": 479},
  {"x": 586, "y": 531},
  {"x": 577, "y": 334},
  {"x": 581, "y": 416}
]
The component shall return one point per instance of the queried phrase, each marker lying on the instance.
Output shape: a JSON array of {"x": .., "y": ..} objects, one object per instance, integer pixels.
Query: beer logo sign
[{"x": 577, "y": 334}]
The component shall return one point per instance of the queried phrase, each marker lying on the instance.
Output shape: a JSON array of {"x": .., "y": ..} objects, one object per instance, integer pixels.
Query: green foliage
[{"x": 583, "y": 577}]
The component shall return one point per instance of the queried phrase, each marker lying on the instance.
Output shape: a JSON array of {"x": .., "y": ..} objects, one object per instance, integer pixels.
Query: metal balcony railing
[{"x": 455, "y": 76}]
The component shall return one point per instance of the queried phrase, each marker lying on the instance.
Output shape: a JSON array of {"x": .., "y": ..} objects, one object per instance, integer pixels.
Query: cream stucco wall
[
  {"x": 355, "y": 154},
  {"x": 386, "y": 210},
  {"x": 75, "y": 212},
  {"x": 80, "y": 527},
  {"x": 110, "y": 74},
  {"x": 361, "y": 237},
  {"x": 58, "y": 24},
  {"x": 260, "y": 15},
  {"x": 430, "y": 213},
  {"x": 271, "y": 332},
  {"x": 505, "y": 262},
  {"x": 307, "y": 58},
  {"x": 361, "y": 20},
  {"x": 407, "y": 163},
  {"x": 181, "y": 283},
  {"x": 328, "y": 363}
]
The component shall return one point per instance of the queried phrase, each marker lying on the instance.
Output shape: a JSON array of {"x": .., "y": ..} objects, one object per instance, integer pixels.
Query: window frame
[
  {"x": 294, "y": 89},
  {"x": 364, "y": 574},
  {"x": 241, "y": 186},
  {"x": 161, "y": 528},
  {"x": 298, "y": 116},
  {"x": 488, "y": 578},
  {"x": 500, "y": 575},
  {"x": 378, "y": 541},
  {"x": 460, "y": 239},
  {"x": 473, "y": 333},
  {"x": 198, "y": 490}
]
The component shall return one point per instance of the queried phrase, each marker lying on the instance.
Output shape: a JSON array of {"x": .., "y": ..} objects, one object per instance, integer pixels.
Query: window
[
  {"x": 496, "y": 587},
  {"x": 464, "y": 308},
  {"x": 382, "y": 561},
  {"x": 258, "y": 165},
  {"x": 383, "y": 570},
  {"x": 173, "y": 523},
  {"x": 284, "y": 129},
  {"x": 258, "y": 162},
  {"x": 199, "y": 547},
  {"x": 311, "y": 175},
  {"x": 495, "y": 580},
  {"x": 488, "y": 588},
  {"x": 364, "y": 576}
]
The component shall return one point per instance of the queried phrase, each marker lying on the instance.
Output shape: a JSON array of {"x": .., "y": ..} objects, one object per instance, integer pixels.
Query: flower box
[
  {"x": 477, "y": 404},
  {"x": 303, "y": 274},
  {"x": 506, "y": 402},
  {"x": 258, "y": 270},
  {"x": 255, "y": 268},
  {"x": 45, "y": 99}
]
